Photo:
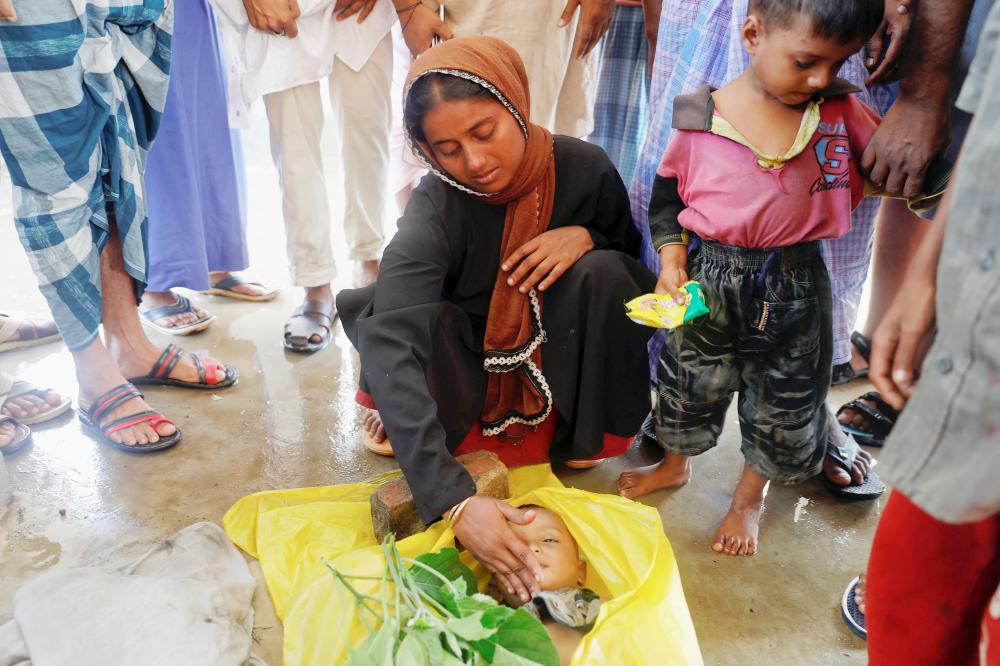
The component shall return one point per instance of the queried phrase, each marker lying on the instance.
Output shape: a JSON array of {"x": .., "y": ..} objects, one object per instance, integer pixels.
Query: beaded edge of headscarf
[{"x": 418, "y": 152}]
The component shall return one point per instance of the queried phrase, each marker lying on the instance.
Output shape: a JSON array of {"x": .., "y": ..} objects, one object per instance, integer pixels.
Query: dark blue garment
[{"x": 195, "y": 174}]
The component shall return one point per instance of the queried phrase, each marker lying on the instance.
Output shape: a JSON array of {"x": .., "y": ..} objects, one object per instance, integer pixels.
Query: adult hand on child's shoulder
[
  {"x": 420, "y": 26},
  {"x": 484, "y": 529},
  {"x": 673, "y": 270},
  {"x": 896, "y": 25},
  {"x": 910, "y": 135},
  {"x": 276, "y": 16}
]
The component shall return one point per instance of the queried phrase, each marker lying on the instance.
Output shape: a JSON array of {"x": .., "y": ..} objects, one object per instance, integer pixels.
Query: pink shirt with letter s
[{"x": 731, "y": 199}]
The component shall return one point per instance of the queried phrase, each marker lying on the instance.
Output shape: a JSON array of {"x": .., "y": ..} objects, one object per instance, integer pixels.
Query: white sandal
[
  {"x": 44, "y": 332},
  {"x": 13, "y": 388}
]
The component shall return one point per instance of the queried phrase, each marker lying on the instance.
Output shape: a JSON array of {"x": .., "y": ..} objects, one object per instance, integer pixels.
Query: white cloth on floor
[
  {"x": 260, "y": 62},
  {"x": 187, "y": 601}
]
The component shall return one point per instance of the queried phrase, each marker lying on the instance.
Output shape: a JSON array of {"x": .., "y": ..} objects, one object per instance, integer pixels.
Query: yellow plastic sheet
[{"x": 644, "y": 619}]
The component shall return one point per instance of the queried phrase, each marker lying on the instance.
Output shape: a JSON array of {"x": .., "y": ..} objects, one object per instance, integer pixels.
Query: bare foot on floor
[
  {"x": 859, "y": 594},
  {"x": 737, "y": 535},
  {"x": 674, "y": 470},
  {"x": 139, "y": 434}
]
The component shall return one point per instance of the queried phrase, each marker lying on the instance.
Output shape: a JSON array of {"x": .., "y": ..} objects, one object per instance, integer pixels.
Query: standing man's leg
[
  {"x": 296, "y": 123},
  {"x": 362, "y": 111}
]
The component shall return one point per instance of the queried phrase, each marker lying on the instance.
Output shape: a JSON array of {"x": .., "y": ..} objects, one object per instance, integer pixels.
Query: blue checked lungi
[
  {"x": 621, "y": 112},
  {"x": 82, "y": 87},
  {"x": 699, "y": 42}
]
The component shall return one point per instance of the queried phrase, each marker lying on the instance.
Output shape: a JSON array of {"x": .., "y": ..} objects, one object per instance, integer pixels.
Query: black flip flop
[
  {"x": 159, "y": 375},
  {"x": 881, "y": 419},
  {"x": 309, "y": 319},
  {"x": 844, "y": 373},
  {"x": 869, "y": 489}
]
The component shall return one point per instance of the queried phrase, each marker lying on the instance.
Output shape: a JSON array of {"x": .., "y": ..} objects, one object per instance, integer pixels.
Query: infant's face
[{"x": 555, "y": 548}]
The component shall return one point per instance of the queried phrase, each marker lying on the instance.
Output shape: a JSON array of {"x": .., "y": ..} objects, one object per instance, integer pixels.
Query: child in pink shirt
[{"x": 760, "y": 171}]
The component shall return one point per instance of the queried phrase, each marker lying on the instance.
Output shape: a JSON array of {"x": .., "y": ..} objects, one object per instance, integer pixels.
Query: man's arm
[{"x": 916, "y": 128}]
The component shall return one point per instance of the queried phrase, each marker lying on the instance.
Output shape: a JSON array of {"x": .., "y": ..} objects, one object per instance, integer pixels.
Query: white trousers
[
  {"x": 362, "y": 113},
  {"x": 563, "y": 87}
]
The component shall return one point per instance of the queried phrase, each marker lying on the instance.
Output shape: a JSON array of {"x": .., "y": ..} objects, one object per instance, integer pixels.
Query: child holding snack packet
[{"x": 760, "y": 171}]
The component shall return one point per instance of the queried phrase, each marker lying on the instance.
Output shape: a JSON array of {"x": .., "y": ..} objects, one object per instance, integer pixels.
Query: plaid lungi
[
  {"x": 82, "y": 86},
  {"x": 699, "y": 42},
  {"x": 621, "y": 113}
]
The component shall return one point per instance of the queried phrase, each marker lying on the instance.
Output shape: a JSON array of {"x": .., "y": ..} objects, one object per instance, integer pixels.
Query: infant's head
[{"x": 555, "y": 549}]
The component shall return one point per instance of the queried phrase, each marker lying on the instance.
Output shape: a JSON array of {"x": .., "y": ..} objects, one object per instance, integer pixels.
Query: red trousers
[{"x": 929, "y": 590}]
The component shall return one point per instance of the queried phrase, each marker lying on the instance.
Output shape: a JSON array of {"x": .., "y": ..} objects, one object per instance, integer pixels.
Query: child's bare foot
[
  {"x": 673, "y": 470},
  {"x": 737, "y": 535}
]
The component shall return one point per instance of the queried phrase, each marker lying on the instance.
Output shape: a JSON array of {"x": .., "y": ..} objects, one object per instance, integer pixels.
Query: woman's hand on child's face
[
  {"x": 673, "y": 271},
  {"x": 543, "y": 260},
  {"x": 483, "y": 528}
]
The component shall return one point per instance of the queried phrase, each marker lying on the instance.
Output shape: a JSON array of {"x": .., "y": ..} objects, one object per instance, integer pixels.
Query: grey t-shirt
[{"x": 944, "y": 454}]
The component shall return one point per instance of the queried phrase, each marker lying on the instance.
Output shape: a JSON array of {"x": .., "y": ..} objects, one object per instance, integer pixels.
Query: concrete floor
[{"x": 291, "y": 421}]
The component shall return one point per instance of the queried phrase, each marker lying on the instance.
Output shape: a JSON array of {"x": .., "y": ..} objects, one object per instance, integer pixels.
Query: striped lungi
[{"x": 82, "y": 86}]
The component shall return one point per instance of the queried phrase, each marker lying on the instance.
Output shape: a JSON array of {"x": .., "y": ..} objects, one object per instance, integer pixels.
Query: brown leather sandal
[{"x": 309, "y": 319}]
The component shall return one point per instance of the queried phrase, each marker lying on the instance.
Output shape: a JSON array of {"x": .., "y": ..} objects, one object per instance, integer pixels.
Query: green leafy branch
[{"x": 428, "y": 612}]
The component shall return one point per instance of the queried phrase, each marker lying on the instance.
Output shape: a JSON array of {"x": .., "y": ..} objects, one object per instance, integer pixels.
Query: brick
[{"x": 393, "y": 508}]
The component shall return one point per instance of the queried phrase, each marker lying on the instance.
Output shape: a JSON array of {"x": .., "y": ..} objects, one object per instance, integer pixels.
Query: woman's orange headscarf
[{"x": 517, "y": 391}]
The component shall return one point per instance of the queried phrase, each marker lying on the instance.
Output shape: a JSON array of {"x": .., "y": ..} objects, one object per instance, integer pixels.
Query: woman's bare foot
[
  {"x": 673, "y": 470},
  {"x": 372, "y": 423},
  {"x": 365, "y": 272},
  {"x": 156, "y": 299},
  {"x": 245, "y": 288},
  {"x": 737, "y": 535},
  {"x": 30, "y": 404}
]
